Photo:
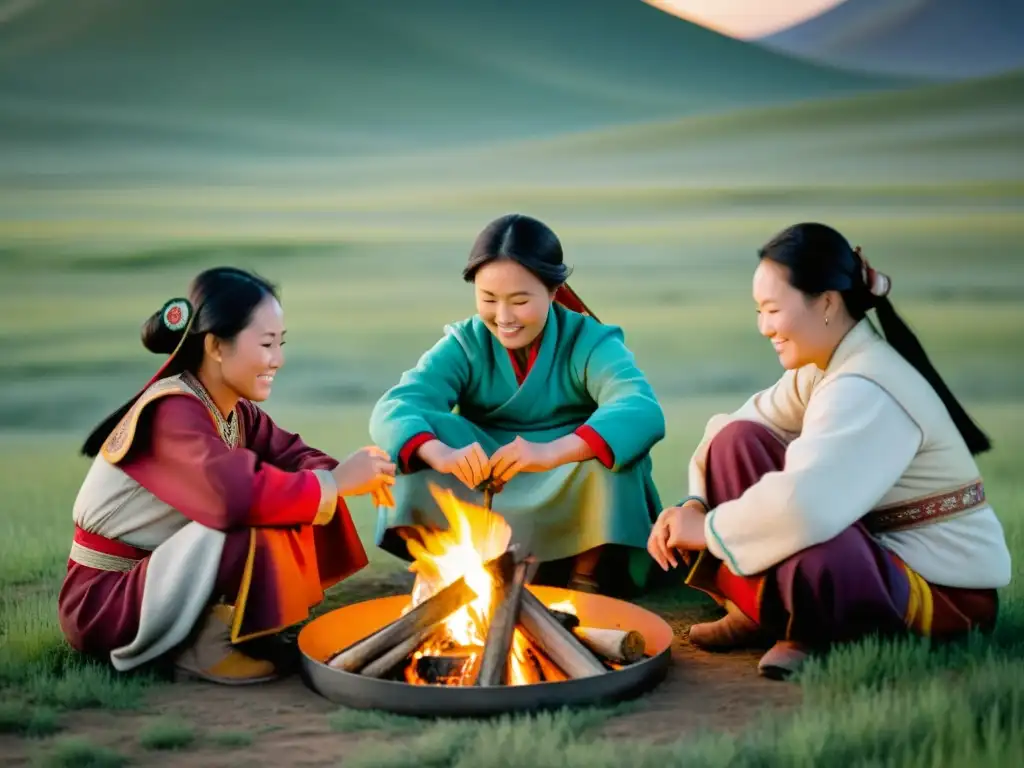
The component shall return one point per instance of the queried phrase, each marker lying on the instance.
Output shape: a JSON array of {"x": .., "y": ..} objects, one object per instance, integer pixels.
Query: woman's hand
[
  {"x": 368, "y": 470},
  {"x": 521, "y": 456},
  {"x": 470, "y": 464},
  {"x": 677, "y": 528}
]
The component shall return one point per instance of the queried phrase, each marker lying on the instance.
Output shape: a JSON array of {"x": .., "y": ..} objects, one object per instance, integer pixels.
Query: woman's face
[
  {"x": 793, "y": 322},
  {"x": 512, "y": 302},
  {"x": 249, "y": 363}
]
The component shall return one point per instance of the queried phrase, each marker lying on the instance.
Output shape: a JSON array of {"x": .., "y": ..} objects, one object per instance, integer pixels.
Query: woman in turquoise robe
[{"x": 535, "y": 394}]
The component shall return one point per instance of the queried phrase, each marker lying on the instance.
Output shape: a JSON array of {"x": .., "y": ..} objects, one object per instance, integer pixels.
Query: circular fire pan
[{"x": 326, "y": 635}]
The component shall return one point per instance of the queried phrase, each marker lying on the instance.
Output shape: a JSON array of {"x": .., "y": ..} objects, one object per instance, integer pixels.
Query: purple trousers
[{"x": 837, "y": 591}]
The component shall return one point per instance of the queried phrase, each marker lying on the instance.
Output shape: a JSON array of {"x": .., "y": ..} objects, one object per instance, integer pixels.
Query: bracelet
[{"x": 698, "y": 499}]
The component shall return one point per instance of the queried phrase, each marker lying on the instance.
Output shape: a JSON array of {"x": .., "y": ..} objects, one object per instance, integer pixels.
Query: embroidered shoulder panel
[{"x": 120, "y": 439}]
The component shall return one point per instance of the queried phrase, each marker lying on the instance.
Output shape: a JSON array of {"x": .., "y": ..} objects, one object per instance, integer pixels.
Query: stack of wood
[{"x": 557, "y": 646}]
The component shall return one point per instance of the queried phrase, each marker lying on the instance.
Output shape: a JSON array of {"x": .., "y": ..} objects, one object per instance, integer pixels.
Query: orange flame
[{"x": 475, "y": 535}]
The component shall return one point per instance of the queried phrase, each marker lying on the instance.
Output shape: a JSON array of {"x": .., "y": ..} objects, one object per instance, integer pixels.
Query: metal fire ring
[{"x": 326, "y": 635}]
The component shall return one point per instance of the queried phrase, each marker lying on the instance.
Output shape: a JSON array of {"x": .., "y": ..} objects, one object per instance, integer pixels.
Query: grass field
[
  {"x": 70, "y": 352},
  {"x": 661, "y": 221}
]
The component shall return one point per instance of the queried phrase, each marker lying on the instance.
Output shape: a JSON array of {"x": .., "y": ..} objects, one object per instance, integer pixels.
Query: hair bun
[{"x": 163, "y": 330}]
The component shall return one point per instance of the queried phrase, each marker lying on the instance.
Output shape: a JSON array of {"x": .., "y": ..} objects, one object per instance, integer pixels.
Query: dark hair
[
  {"x": 223, "y": 300},
  {"x": 820, "y": 259},
  {"x": 524, "y": 240}
]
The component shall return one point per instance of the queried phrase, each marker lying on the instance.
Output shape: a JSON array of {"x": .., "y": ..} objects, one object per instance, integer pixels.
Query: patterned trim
[
  {"x": 228, "y": 428},
  {"x": 927, "y": 509},
  {"x": 101, "y": 561},
  {"x": 116, "y": 446},
  {"x": 328, "y": 497}
]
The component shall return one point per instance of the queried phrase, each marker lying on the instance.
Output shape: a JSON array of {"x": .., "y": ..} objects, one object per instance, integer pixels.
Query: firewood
[
  {"x": 617, "y": 645},
  {"x": 567, "y": 620},
  {"x": 397, "y": 655},
  {"x": 507, "y": 600},
  {"x": 429, "y": 613},
  {"x": 446, "y": 669},
  {"x": 564, "y": 649}
]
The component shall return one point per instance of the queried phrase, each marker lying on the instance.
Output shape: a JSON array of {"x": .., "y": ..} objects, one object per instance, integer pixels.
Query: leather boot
[
  {"x": 212, "y": 657},
  {"x": 784, "y": 659},
  {"x": 732, "y": 631}
]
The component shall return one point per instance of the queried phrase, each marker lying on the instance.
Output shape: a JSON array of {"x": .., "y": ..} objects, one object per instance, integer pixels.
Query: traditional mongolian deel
[
  {"x": 579, "y": 378},
  {"x": 847, "y": 496},
  {"x": 183, "y": 506}
]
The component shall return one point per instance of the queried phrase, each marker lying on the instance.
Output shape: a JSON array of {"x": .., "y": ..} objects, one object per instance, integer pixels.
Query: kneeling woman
[
  {"x": 845, "y": 500},
  {"x": 201, "y": 523},
  {"x": 551, "y": 407}
]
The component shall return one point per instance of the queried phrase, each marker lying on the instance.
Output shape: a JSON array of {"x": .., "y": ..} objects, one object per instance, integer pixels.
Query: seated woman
[
  {"x": 201, "y": 523},
  {"x": 844, "y": 500},
  {"x": 551, "y": 407}
]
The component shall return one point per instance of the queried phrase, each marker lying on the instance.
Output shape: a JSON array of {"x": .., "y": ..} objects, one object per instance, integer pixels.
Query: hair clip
[{"x": 176, "y": 314}]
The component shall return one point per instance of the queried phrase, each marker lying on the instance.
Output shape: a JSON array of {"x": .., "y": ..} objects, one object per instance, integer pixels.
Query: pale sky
[{"x": 745, "y": 18}]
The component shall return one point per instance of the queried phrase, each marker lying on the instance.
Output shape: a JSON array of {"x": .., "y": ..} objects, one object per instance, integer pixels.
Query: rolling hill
[
  {"x": 937, "y": 39},
  {"x": 121, "y": 86}
]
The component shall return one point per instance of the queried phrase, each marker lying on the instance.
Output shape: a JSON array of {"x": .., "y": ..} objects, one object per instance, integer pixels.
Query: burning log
[
  {"x": 557, "y": 642},
  {"x": 508, "y": 598},
  {"x": 427, "y": 614},
  {"x": 616, "y": 645},
  {"x": 446, "y": 669}
]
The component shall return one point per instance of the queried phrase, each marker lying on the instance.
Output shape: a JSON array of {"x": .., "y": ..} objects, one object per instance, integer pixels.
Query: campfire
[{"x": 472, "y": 621}]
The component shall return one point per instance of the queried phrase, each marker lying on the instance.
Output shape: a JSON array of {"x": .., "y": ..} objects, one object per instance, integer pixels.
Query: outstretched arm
[
  {"x": 187, "y": 465},
  {"x": 274, "y": 445}
]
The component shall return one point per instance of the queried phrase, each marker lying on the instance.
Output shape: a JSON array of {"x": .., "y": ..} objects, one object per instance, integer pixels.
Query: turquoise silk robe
[{"x": 465, "y": 390}]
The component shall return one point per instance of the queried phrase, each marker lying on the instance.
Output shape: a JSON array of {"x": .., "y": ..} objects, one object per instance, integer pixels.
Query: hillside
[
  {"x": 194, "y": 82},
  {"x": 954, "y": 149},
  {"x": 938, "y": 39}
]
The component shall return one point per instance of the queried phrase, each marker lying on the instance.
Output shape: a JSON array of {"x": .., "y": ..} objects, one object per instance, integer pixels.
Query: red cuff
[
  {"x": 407, "y": 459},
  {"x": 597, "y": 444}
]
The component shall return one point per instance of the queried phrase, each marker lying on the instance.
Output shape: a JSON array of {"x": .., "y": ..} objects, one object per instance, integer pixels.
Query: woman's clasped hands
[{"x": 473, "y": 467}]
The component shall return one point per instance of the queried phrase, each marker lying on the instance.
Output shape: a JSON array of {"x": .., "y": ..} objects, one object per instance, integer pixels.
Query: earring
[{"x": 826, "y": 319}]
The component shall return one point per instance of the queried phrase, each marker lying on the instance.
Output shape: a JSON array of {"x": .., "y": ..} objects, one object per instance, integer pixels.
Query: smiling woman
[
  {"x": 845, "y": 500},
  {"x": 551, "y": 407},
  {"x": 201, "y": 523}
]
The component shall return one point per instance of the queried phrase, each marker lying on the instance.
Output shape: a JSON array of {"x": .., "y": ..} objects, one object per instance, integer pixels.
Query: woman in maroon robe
[{"x": 201, "y": 523}]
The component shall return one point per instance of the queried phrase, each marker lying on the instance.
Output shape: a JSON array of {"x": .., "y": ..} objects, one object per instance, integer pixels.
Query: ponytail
[{"x": 902, "y": 339}]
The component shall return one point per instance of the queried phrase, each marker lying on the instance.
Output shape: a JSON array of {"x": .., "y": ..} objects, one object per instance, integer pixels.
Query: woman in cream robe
[{"x": 844, "y": 500}]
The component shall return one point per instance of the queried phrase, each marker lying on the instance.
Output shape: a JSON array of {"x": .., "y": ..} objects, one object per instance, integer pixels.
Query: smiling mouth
[
  {"x": 509, "y": 330},
  {"x": 267, "y": 377}
]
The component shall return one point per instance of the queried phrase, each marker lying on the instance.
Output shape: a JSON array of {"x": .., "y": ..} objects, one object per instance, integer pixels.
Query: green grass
[
  {"x": 19, "y": 718},
  {"x": 168, "y": 734},
  {"x": 80, "y": 753}
]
